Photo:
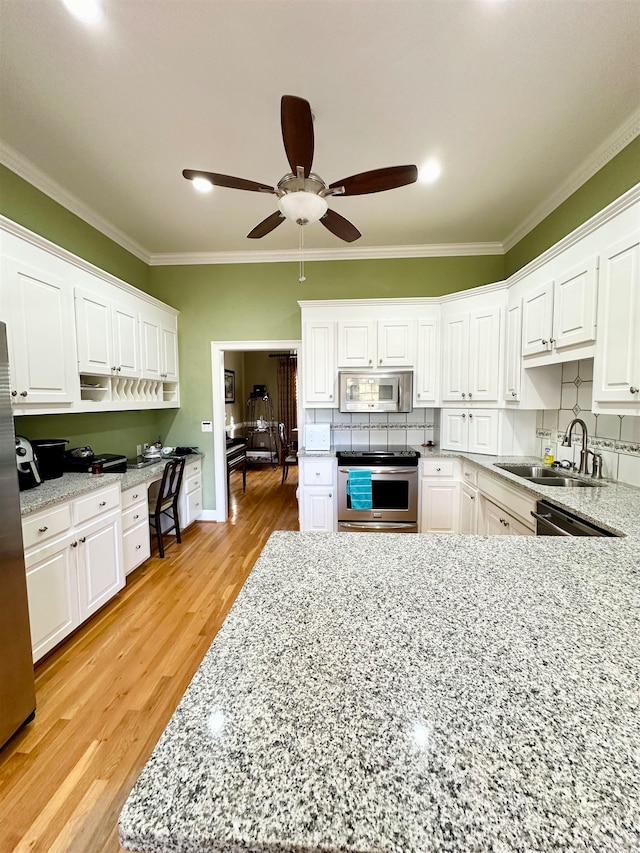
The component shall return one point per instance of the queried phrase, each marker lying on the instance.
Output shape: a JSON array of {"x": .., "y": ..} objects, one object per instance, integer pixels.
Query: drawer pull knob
[
  {"x": 197, "y": 504},
  {"x": 23, "y": 393},
  {"x": 138, "y": 547},
  {"x": 74, "y": 544},
  {"x": 83, "y": 539},
  {"x": 633, "y": 390},
  {"x": 472, "y": 497},
  {"x": 134, "y": 497},
  {"x": 463, "y": 394},
  {"x": 135, "y": 517},
  {"x": 470, "y": 395},
  {"x": 14, "y": 393},
  {"x": 514, "y": 394},
  {"x": 438, "y": 469},
  {"x": 102, "y": 503},
  {"x": 43, "y": 529}
]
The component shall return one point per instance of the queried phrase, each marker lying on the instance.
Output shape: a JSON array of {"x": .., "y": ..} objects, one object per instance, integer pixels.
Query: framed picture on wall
[{"x": 229, "y": 386}]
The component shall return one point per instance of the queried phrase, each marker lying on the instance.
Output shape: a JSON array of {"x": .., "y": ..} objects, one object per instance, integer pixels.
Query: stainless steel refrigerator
[{"x": 17, "y": 688}]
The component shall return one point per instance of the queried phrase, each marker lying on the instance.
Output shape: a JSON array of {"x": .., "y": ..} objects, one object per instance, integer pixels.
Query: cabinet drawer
[
  {"x": 192, "y": 468},
  {"x": 317, "y": 473},
  {"x": 516, "y": 502},
  {"x": 95, "y": 504},
  {"x": 136, "y": 546},
  {"x": 134, "y": 495},
  {"x": 45, "y": 525},
  {"x": 194, "y": 507},
  {"x": 135, "y": 515},
  {"x": 192, "y": 483},
  {"x": 469, "y": 474},
  {"x": 439, "y": 468}
]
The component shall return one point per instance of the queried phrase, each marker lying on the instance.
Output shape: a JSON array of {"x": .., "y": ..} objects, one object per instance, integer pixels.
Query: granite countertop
[
  {"x": 72, "y": 485},
  {"x": 410, "y": 694}
]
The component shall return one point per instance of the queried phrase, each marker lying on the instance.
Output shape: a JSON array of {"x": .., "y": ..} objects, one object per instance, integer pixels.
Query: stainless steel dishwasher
[{"x": 552, "y": 521}]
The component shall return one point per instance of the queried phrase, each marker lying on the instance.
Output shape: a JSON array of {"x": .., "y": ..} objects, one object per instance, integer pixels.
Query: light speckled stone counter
[
  {"x": 71, "y": 486},
  {"x": 410, "y": 694}
]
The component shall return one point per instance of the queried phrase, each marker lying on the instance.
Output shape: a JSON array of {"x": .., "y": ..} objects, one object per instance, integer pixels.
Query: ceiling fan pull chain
[{"x": 301, "y": 277}]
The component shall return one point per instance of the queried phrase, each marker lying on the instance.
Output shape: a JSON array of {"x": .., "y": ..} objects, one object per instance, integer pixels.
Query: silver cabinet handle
[
  {"x": 466, "y": 473},
  {"x": 438, "y": 469},
  {"x": 463, "y": 416},
  {"x": 134, "y": 497},
  {"x": 501, "y": 521},
  {"x": 514, "y": 394},
  {"x": 14, "y": 393},
  {"x": 114, "y": 368},
  {"x": 545, "y": 518},
  {"x": 83, "y": 539},
  {"x": 23, "y": 393},
  {"x": 470, "y": 395},
  {"x": 136, "y": 517},
  {"x": 43, "y": 529},
  {"x": 634, "y": 390},
  {"x": 74, "y": 544},
  {"x": 552, "y": 341},
  {"x": 470, "y": 415},
  {"x": 463, "y": 394},
  {"x": 138, "y": 547},
  {"x": 102, "y": 503}
]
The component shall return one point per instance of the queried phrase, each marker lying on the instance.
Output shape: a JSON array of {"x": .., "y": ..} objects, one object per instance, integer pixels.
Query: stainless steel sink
[
  {"x": 546, "y": 476},
  {"x": 570, "y": 482}
]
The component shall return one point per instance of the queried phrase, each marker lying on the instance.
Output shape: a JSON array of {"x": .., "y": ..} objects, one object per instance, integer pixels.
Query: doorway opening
[{"x": 234, "y": 367}]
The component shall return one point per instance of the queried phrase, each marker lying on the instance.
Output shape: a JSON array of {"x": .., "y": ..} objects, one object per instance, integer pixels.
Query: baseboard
[{"x": 210, "y": 515}]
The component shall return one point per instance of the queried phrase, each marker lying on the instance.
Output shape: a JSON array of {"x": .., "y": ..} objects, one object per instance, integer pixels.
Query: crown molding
[
  {"x": 8, "y": 226},
  {"x": 618, "y": 140},
  {"x": 612, "y": 210},
  {"x": 24, "y": 168},
  {"x": 347, "y": 254}
]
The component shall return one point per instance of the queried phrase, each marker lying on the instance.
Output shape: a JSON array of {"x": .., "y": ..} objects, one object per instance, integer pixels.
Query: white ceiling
[{"x": 520, "y": 100}]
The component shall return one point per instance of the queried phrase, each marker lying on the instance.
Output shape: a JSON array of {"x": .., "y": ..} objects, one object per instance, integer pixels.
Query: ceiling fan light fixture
[
  {"x": 84, "y": 10},
  {"x": 202, "y": 185},
  {"x": 303, "y": 207}
]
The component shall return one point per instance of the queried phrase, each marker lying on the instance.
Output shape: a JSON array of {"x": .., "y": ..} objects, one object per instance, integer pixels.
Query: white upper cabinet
[
  {"x": 376, "y": 343},
  {"x": 560, "y": 314},
  {"x": 427, "y": 370},
  {"x": 108, "y": 336},
  {"x": 159, "y": 345},
  {"x": 319, "y": 369},
  {"x": 616, "y": 383},
  {"x": 37, "y": 306},
  {"x": 471, "y": 356},
  {"x": 513, "y": 344}
]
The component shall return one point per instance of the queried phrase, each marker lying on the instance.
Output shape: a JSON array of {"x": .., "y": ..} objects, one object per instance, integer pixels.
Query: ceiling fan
[{"x": 302, "y": 195}]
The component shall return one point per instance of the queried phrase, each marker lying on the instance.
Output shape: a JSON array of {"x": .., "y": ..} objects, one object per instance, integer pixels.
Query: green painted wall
[
  {"x": 106, "y": 432},
  {"x": 610, "y": 182},
  {"x": 23, "y": 203},
  {"x": 224, "y": 302}
]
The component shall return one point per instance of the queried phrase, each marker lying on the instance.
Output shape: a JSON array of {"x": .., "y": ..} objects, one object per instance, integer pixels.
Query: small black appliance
[
  {"x": 50, "y": 456},
  {"x": 28, "y": 470},
  {"x": 80, "y": 460}
]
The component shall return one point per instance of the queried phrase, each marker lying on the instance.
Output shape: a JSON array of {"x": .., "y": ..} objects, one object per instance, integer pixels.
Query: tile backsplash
[
  {"x": 615, "y": 437},
  {"x": 364, "y": 431}
]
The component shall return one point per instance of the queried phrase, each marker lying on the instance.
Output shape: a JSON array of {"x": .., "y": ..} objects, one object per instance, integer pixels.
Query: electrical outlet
[{"x": 138, "y": 449}]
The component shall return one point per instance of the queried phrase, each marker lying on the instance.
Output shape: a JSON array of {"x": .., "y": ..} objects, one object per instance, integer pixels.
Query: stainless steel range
[{"x": 378, "y": 490}]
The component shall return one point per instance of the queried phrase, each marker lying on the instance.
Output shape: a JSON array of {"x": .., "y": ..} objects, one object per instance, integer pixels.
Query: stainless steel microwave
[{"x": 376, "y": 391}]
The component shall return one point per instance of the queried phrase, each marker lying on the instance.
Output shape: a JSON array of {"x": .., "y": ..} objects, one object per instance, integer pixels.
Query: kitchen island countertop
[{"x": 410, "y": 694}]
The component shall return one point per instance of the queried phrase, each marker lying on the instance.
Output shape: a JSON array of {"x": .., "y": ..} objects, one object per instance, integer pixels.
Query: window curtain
[{"x": 287, "y": 393}]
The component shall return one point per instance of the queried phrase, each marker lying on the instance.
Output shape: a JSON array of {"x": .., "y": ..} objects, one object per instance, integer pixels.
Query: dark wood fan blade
[
  {"x": 340, "y": 226},
  {"x": 228, "y": 181},
  {"x": 377, "y": 180},
  {"x": 297, "y": 132},
  {"x": 266, "y": 225}
]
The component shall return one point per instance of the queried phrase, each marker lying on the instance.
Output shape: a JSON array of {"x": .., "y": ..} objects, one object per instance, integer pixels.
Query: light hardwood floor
[{"x": 106, "y": 694}]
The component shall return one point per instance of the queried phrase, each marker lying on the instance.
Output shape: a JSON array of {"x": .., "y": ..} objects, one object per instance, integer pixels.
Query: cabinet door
[
  {"x": 319, "y": 367},
  {"x": 426, "y": 373},
  {"x": 455, "y": 358},
  {"x": 484, "y": 355},
  {"x": 170, "y": 352},
  {"x": 41, "y": 336},
  {"x": 125, "y": 340},
  {"x": 317, "y": 510},
  {"x": 574, "y": 305},
  {"x": 52, "y": 593},
  {"x": 513, "y": 357},
  {"x": 151, "y": 347},
  {"x": 617, "y": 360},
  {"x": 537, "y": 320},
  {"x": 468, "y": 509},
  {"x": 396, "y": 343},
  {"x": 356, "y": 344},
  {"x": 493, "y": 519},
  {"x": 440, "y": 507},
  {"x": 483, "y": 431},
  {"x": 99, "y": 560},
  {"x": 94, "y": 333},
  {"x": 454, "y": 429}
]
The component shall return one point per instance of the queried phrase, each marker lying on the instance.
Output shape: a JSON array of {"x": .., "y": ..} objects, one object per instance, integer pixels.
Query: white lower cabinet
[
  {"x": 317, "y": 494},
  {"x": 190, "y": 501},
  {"x": 469, "y": 500},
  {"x": 136, "y": 541},
  {"x": 73, "y": 562},
  {"x": 496, "y": 521},
  {"x": 504, "y": 511},
  {"x": 439, "y": 496}
]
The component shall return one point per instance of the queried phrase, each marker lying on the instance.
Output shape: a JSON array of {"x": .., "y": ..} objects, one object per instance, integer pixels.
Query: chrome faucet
[{"x": 584, "y": 453}]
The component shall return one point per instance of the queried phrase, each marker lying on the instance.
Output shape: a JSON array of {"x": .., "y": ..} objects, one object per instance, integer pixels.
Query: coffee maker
[{"x": 28, "y": 472}]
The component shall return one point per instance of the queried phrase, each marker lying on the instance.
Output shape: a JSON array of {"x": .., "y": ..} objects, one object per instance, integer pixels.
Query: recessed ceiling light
[
  {"x": 430, "y": 171},
  {"x": 85, "y": 10},
  {"x": 202, "y": 185}
]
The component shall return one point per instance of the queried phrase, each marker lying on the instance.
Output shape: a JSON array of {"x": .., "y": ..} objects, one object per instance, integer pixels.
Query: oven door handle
[
  {"x": 383, "y": 525},
  {"x": 545, "y": 520},
  {"x": 381, "y": 470}
]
